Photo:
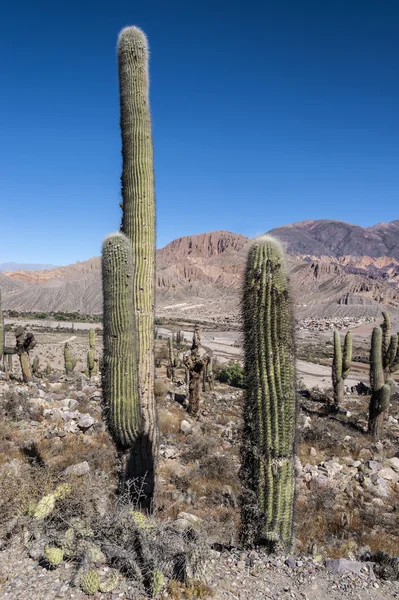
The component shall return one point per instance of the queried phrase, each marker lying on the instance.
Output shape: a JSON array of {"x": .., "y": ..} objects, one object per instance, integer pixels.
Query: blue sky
[{"x": 264, "y": 113}]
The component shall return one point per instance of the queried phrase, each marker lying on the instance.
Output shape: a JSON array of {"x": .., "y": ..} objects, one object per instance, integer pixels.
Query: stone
[
  {"x": 85, "y": 421},
  {"x": 343, "y": 565},
  {"x": 389, "y": 474},
  {"x": 290, "y": 562},
  {"x": 381, "y": 488},
  {"x": 69, "y": 403},
  {"x": 186, "y": 427},
  {"x": 312, "y": 451},
  {"x": 394, "y": 463},
  {"x": 82, "y": 468}
]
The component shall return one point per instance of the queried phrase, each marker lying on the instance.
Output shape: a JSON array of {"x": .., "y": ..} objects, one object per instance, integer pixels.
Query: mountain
[
  {"x": 12, "y": 266},
  {"x": 336, "y": 269},
  {"x": 337, "y": 238}
]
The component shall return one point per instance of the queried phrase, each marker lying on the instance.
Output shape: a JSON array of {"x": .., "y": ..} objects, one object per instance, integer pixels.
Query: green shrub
[{"x": 232, "y": 374}]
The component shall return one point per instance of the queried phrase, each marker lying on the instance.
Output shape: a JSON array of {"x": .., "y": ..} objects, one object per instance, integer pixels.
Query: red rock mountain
[{"x": 336, "y": 269}]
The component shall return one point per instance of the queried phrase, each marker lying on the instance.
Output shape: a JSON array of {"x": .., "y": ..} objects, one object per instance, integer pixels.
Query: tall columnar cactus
[
  {"x": 119, "y": 357},
  {"x": 91, "y": 358},
  {"x": 69, "y": 360},
  {"x": 380, "y": 390},
  {"x": 389, "y": 348},
  {"x": 138, "y": 224},
  {"x": 341, "y": 365},
  {"x": 172, "y": 360},
  {"x": 267, "y": 451}
]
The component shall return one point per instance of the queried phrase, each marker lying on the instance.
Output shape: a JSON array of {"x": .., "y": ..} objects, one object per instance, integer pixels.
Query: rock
[
  {"x": 374, "y": 465},
  {"x": 186, "y": 427},
  {"x": 189, "y": 517},
  {"x": 169, "y": 452},
  {"x": 290, "y": 562},
  {"x": 69, "y": 403},
  {"x": 389, "y": 474},
  {"x": 82, "y": 468},
  {"x": 381, "y": 488},
  {"x": 342, "y": 565},
  {"x": 85, "y": 421},
  {"x": 394, "y": 463},
  {"x": 312, "y": 451}
]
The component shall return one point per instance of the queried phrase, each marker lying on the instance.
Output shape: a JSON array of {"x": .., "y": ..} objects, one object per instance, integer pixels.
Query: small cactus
[
  {"x": 44, "y": 507},
  {"x": 70, "y": 362},
  {"x": 140, "y": 519},
  {"x": 156, "y": 582},
  {"x": 110, "y": 583},
  {"x": 63, "y": 490},
  {"x": 48, "y": 370},
  {"x": 54, "y": 556},
  {"x": 380, "y": 390},
  {"x": 90, "y": 582},
  {"x": 389, "y": 348},
  {"x": 35, "y": 366},
  {"x": 67, "y": 542},
  {"x": 341, "y": 365}
]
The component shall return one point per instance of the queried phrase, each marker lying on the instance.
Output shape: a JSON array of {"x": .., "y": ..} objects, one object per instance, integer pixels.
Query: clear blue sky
[{"x": 264, "y": 113}]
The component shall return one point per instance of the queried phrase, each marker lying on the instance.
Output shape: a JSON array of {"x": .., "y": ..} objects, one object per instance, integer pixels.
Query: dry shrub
[
  {"x": 169, "y": 421},
  {"x": 192, "y": 589},
  {"x": 160, "y": 389},
  {"x": 200, "y": 446}
]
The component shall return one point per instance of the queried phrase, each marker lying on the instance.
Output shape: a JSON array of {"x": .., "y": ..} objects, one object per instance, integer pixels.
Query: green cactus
[
  {"x": 110, "y": 583},
  {"x": 380, "y": 389},
  {"x": 63, "y": 490},
  {"x": 54, "y": 556},
  {"x": 44, "y": 507},
  {"x": 119, "y": 371},
  {"x": 138, "y": 224},
  {"x": 389, "y": 348},
  {"x": 341, "y": 365},
  {"x": 91, "y": 552},
  {"x": 48, "y": 370},
  {"x": 90, "y": 362},
  {"x": 70, "y": 362},
  {"x": 36, "y": 366},
  {"x": 90, "y": 582},
  {"x": 92, "y": 338},
  {"x": 157, "y": 580},
  {"x": 267, "y": 451},
  {"x": 67, "y": 541}
]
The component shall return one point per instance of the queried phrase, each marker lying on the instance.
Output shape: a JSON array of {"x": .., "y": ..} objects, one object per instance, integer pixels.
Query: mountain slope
[
  {"x": 200, "y": 276},
  {"x": 337, "y": 238}
]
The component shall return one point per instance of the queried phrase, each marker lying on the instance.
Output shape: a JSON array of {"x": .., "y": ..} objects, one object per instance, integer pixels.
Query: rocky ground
[{"x": 52, "y": 434}]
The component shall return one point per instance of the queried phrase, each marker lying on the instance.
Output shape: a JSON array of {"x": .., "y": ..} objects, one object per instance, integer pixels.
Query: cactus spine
[
  {"x": 119, "y": 369},
  {"x": 341, "y": 365},
  {"x": 267, "y": 451},
  {"x": 380, "y": 390}
]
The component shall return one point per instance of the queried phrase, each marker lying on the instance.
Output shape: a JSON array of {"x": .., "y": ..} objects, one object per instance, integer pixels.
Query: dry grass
[{"x": 187, "y": 591}]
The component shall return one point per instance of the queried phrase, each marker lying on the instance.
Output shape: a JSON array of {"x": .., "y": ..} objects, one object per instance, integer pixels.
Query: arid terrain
[{"x": 58, "y": 464}]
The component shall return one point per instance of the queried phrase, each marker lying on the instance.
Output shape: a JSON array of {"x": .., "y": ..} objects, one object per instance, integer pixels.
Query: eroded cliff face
[{"x": 200, "y": 276}]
